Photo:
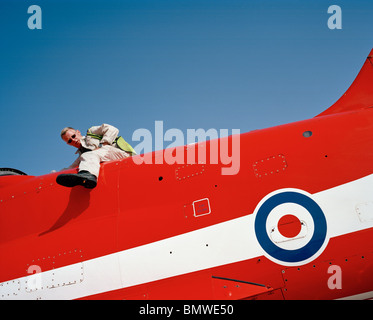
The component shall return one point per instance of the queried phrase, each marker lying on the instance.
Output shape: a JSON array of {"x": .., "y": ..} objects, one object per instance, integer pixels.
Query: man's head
[{"x": 71, "y": 136}]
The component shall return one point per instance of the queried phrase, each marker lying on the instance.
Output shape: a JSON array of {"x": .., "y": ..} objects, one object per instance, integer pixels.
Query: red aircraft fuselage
[{"x": 295, "y": 222}]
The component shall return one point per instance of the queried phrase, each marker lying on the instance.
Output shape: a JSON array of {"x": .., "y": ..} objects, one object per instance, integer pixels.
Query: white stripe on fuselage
[{"x": 216, "y": 245}]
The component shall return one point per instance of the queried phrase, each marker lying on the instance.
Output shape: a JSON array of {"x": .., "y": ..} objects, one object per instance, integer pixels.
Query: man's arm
[{"x": 108, "y": 133}]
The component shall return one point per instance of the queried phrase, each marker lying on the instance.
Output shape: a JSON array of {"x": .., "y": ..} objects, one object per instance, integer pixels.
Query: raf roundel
[{"x": 290, "y": 227}]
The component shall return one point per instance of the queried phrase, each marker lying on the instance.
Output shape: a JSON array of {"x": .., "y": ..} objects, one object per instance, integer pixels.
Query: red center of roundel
[{"x": 289, "y": 226}]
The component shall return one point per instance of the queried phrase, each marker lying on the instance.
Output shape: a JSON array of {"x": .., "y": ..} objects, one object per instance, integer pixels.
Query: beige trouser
[{"x": 90, "y": 160}]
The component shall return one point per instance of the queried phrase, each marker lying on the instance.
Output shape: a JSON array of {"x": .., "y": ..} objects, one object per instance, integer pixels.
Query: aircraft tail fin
[{"x": 359, "y": 95}]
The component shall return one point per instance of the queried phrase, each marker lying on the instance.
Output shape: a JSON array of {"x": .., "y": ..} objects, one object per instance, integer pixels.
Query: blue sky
[{"x": 223, "y": 64}]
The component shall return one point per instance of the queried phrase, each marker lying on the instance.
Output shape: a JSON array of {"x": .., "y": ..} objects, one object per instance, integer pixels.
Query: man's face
[{"x": 72, "y": 138}]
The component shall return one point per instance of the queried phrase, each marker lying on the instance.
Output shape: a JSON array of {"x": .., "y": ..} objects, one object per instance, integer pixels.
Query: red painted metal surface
[
  {"x": 44, "y": 224},
  {"x": 359, "y": 95}
]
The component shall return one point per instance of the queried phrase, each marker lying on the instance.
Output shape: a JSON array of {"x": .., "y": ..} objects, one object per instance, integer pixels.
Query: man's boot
[{"x": 82, "y": 178}]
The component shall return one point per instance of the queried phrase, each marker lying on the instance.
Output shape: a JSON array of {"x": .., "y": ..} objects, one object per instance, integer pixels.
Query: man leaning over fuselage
[{"x": 99, "y": 145}]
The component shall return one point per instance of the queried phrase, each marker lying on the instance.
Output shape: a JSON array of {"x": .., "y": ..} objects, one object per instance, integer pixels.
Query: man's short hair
[{"x": 64, "y": 130}]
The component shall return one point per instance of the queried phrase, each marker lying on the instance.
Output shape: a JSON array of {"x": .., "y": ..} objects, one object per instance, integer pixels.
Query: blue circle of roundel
[{"x": 311, "y": 247}]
